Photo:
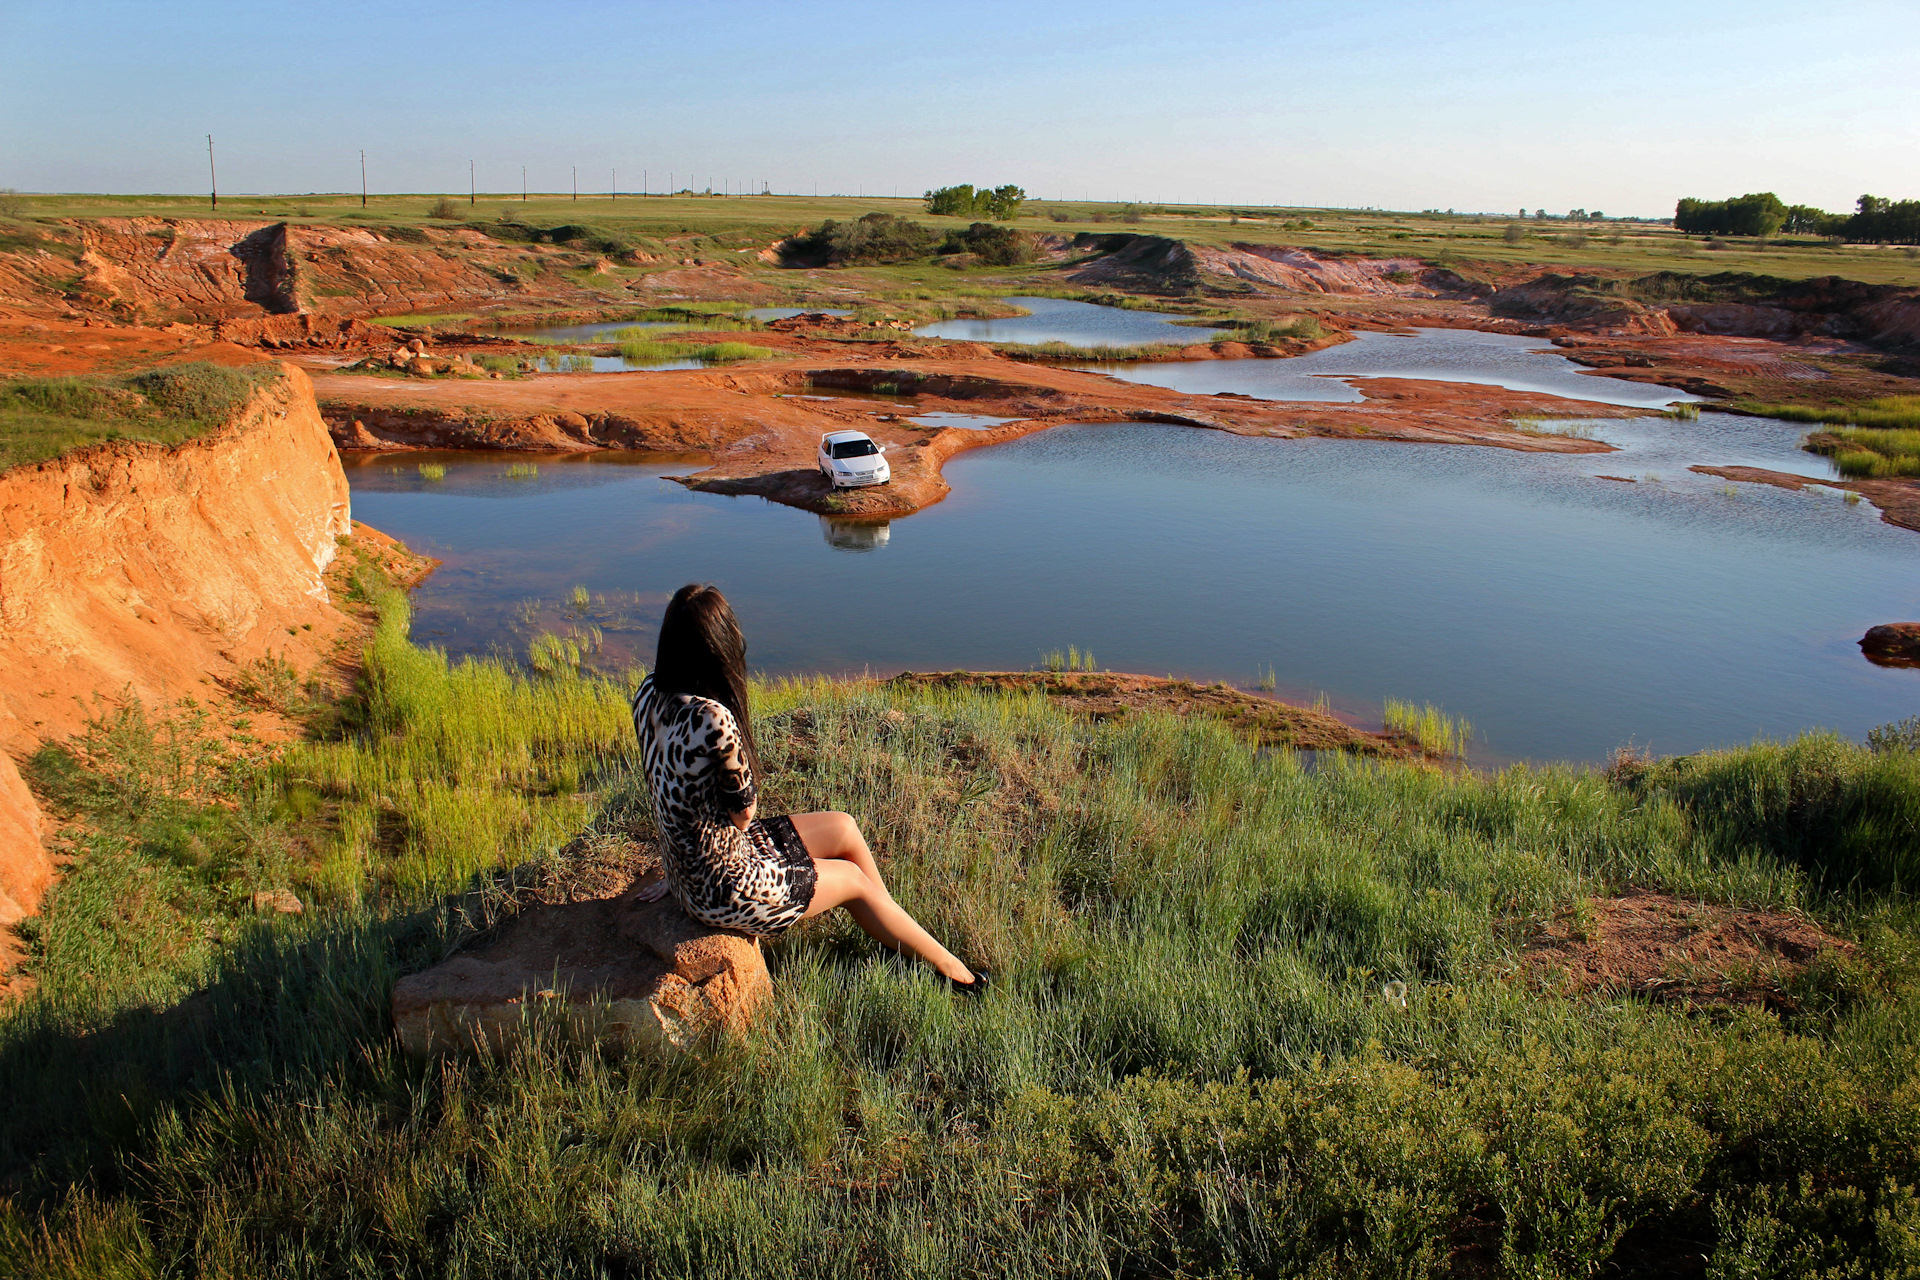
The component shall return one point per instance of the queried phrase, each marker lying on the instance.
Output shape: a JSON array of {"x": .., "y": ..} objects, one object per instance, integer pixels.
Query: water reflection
[{"x": 855, "y": 535}]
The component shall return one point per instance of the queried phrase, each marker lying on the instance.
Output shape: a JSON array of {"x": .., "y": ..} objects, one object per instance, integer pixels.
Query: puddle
[
  {"x": 787, "y": 313},
  {"x": 1443, "y": 355},
  {"x": 965, "y": 421},
  {"x": 1083, "y": 324}
]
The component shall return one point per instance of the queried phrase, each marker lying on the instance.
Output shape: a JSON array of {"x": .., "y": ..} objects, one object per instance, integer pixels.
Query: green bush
[
  {"x": 1851, "y": 818},
  {"x": 994, "y": 246},
  {"x": 873, "y": 238}
]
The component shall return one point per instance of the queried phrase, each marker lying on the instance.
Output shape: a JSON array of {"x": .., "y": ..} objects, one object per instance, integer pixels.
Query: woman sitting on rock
[{"x": 726, "y": 868}]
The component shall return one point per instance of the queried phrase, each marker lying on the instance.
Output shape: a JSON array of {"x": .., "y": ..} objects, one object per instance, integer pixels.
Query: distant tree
[
  {"x": 1758, "y": 213},
  {"x": 1539, "y": 214},
  {"x": 1001, "y": 204},
  {"x": 1804, "y": 219},
  {"x": 1877, "y": 220}
]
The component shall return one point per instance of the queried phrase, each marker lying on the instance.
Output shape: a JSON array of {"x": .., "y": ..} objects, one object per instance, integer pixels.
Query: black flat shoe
[{"x": 975, "y": 989}]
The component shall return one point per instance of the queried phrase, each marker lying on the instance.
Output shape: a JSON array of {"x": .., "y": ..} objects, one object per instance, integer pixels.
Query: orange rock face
[{"x": 158, "y": 572}]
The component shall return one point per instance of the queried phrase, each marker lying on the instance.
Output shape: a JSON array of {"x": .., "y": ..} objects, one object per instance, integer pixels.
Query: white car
[{"x": 851, "y": 458}]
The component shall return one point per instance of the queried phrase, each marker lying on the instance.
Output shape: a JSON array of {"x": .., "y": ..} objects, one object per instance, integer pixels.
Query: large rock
[
  {"x": 618, "y": 968},
  {"x": 1894, "y": 644}
]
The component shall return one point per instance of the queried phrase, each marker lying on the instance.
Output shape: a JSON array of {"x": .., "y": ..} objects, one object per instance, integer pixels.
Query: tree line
[{"x": 1875, "y": 219}]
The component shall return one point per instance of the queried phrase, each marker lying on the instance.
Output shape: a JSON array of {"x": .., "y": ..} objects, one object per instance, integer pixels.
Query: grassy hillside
[
  {"x": 1198, "y": 1060},
  {"x": 756, "y": 221},
  {"x": 42, "y": 418}
]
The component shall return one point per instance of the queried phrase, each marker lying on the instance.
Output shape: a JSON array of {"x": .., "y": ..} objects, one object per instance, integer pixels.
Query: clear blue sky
[{"x": 1481, "y": 105}]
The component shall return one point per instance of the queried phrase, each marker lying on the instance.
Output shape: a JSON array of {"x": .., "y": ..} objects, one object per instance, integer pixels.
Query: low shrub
[
  {"x": 991, "y": 245},
  {"x": 872, "y": 239}
]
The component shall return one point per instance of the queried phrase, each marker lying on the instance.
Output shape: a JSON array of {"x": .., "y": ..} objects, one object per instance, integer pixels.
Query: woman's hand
[
  {"x": 744, "y": 818},
  {"x": 653, "y": 892}
]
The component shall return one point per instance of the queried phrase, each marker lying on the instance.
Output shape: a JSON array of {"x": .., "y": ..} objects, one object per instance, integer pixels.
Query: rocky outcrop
[
  {"x": 1586, "y": 301},
  {"x": 611, "y": 968},
  {"x": 1893, "y": 644},
  {"x": 158, "y": 572},
  {"x": 304, "y": 330},
  {"x": 1728, "y": 303}
]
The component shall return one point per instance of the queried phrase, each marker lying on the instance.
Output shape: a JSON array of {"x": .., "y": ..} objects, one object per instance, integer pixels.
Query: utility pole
[
  {"x": 363, "y": 177},
  {"x": 212, "y": 180},
  {"x": 616, "y": 184},
  {"x": 576, "y": 182},
  {"x": 643, "y": 183},
  {"x": 523, "y": 184},
  {"x": 472, "y": 189}
]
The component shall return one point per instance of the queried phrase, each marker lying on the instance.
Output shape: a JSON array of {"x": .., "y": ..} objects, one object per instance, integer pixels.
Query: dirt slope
[{"x": 158, "y": 572}]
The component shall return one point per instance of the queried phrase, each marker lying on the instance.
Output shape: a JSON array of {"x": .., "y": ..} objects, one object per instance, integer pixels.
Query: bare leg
[
  {"x": 831, "y": 834},
  {"x": 843, "y": 884}
]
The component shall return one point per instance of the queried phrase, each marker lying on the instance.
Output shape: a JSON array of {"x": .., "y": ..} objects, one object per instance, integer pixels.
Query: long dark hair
[{"x": 702, "y": 652}]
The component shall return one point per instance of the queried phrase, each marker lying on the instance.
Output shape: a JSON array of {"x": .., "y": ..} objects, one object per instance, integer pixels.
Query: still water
[
  {"x": 1563, "y": 614},
  {"x": 1083, "y": 324},
  {"x": 1446, "y": 355}
]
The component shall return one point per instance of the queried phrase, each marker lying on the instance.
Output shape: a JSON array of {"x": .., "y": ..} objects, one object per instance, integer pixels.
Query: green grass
[
  {"x": 1888, "y": 413},
  {"x": 1196, "y": 1060},
  {"x": 737, "y": 227},
  {"x": 1437, "y": 732},
  {"x": 43, "y": 418},
  {"x": 1072, "y": 658},
  {"x": 708, "y": 353},
  {"x": 414, "y": 320}
]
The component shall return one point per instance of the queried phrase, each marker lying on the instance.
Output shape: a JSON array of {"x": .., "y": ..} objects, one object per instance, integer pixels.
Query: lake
[{"x": 1564, "y": 615}]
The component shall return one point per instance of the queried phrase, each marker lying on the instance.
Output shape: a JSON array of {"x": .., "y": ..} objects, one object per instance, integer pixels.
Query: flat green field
[
  {"x": 1251, "y": 1018},
  {"x": 1613, "y": 247}
]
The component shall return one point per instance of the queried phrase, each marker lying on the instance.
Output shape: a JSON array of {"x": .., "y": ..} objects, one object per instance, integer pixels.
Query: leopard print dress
[{"x": 758, "y": 881}]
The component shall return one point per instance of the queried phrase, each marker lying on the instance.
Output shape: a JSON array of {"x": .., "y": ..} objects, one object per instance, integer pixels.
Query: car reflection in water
[{"x": 855, "y": 535}]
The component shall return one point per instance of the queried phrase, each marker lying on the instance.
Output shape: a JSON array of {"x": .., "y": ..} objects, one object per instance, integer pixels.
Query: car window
[{"x": 854, "y": 449}]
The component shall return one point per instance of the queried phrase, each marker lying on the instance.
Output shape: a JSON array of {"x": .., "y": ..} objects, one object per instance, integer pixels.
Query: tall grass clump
[
  {"x": 1438, "y": 733},
  {"x": 1250, "y": 1017},
  {"x": 1884, "y": 412},
  {"x": 1071, "y": 659},
  {"x": 433, "y": 471},
  {"x": 1870, "y": 452},
  {"x": 1300, "y": 327}
]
